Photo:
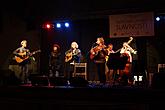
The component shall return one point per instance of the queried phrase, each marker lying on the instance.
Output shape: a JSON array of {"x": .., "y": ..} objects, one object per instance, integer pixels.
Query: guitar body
[
  {"x": 92, "y": 56},
  {"x": 95, "y": 50},
  {"x": 68, "y": 57},
  {"x": 19, "y": 59},
  {"x": 22, "y": 57}
]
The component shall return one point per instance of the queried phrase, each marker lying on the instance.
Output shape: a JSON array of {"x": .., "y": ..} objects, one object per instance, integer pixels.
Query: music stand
[{"x": 116, "y": 61}]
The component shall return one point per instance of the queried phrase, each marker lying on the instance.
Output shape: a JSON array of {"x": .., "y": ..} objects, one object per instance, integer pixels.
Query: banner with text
[{"x": 135, "y": 24}]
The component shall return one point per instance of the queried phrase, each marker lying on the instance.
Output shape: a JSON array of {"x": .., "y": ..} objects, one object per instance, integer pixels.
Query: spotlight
[
  {"x": 58, "y": 25},
  {"x": 48, "y": 26},
  {"x": 66, "y": 24},
  {"x": 157, "y": 18}
]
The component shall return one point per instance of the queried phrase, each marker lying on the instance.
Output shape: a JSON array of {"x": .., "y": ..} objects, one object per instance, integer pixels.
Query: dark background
[{"x": 88, "y": 19}]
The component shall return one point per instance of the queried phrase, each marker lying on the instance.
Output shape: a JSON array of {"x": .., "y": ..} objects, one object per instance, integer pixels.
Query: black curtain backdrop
[{"x": 85, "y": 33}]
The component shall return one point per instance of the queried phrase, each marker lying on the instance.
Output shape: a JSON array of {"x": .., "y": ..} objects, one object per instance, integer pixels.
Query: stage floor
[{"x": 94, "y": 96}]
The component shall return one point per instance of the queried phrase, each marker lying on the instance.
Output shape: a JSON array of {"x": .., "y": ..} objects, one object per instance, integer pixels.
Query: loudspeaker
[
  {"x": 78, "y": 82},
  {"x": 158, "y": 81},
  {"x": 39, "y": 80},
  {"x": 57, "y": 81}
]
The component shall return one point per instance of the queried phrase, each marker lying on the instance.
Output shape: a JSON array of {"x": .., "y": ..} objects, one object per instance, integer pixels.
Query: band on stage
[{"x": 111, "y": 65}]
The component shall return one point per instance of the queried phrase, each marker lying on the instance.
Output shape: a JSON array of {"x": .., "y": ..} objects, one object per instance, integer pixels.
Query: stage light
[
  {"x": 66, "y": 24},
  {"x": 157, "y": 18},
  {"x": 48, "y": 26},
  {"x": 58, "y": 25}
]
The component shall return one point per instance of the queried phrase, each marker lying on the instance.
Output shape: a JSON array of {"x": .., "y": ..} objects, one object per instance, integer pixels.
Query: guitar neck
[{"x": 34, "y": 52}]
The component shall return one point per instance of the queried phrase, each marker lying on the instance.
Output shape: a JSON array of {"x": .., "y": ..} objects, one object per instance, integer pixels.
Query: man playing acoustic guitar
[{"x": 22, "y": 55}]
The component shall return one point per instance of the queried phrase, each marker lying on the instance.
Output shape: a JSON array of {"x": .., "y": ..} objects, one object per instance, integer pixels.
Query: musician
[
  {"x": 55, "y": 61},
  {"x": 23, "y": 52},
  {"x": 98, "y": 55},
  {"x": 110, "y": 49},
  {"x": 109, "y": 72},
  {"x": 127, "y": 50},
  {"x": 73, "y": 55}
]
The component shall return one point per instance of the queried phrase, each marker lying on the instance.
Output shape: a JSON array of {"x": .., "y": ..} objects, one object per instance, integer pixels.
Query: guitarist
[
  {"x": 98, "y": 55},
  {"x": 23, "y": 52},
  {"x": 73, "y": 55}
]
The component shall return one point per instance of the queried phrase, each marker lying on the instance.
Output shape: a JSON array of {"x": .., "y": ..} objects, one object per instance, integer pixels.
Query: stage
[{"x": 93, "y": 96}]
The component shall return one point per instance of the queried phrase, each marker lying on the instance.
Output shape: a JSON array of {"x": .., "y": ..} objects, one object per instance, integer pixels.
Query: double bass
[{"x": 117, "y": 60}]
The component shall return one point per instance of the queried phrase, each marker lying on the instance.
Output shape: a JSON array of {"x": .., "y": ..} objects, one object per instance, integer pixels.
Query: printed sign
[{"x": 135, "y": 24}]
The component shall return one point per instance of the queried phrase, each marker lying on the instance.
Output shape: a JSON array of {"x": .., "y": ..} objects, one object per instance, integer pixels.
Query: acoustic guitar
[
  {"x": 68, "y": 57},
  {"x": 22, "y": 57},
  {"x": 95, "y": 50}
]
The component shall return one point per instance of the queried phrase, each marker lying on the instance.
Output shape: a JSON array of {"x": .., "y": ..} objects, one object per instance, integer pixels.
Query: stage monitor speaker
[
  {"x": 78, "y": 82},
  {"x": 158, "y": 81}
]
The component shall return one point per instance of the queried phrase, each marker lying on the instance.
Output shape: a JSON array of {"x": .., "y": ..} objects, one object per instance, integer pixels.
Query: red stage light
[{"x": 48, "y": 26}]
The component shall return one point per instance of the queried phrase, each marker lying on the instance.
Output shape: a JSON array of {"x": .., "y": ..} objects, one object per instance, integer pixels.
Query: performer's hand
[
  {"x": 135, "y": 52},
  {"x": 93, "y": 53},
  {"x": 33, "y": 59}
]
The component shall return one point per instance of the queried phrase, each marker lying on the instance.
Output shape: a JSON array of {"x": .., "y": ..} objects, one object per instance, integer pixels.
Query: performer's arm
[
  {"x": 16, "y": 52},
  {"x": 68, "y": 51},
  {"x": 28, "y": 52},
  {"x": 79, "y": 53},
  {"x": 131, "y": 49}
]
